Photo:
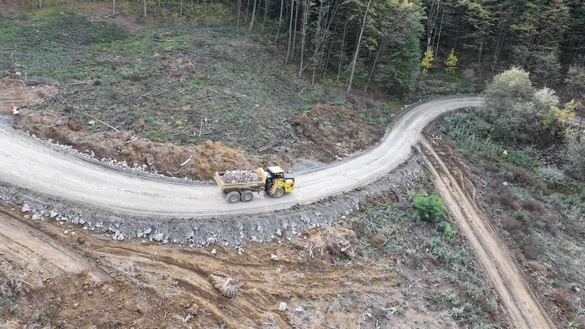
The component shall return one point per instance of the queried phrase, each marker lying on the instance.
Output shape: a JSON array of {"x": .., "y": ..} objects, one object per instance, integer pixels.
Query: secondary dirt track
[{"x": 521, "y": 304}]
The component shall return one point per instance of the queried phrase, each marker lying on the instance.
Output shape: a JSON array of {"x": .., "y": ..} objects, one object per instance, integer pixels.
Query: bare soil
[
  {"x": 65, "y": 277},
  {"x": 329, "y": 133}
]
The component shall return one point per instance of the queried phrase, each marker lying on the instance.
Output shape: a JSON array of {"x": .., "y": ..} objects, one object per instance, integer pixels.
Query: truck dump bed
[{"x": 237, "y": 180}]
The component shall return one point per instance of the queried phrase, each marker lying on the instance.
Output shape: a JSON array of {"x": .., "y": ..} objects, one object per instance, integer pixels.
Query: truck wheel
[
  {"x": 278, "y": 192},
  {"x": 247, "y": 196},
  {"x": 233, "y": 197}
]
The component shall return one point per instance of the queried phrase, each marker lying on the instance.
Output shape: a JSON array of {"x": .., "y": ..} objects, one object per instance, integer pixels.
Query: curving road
[{"x": 30, "y": 164}]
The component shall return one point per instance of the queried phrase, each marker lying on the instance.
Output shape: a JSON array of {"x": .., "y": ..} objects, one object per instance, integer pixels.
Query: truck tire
[
  {"x": 233, "y": 197},
  {"x": 247, "y": 196},
  {"x": 278, "y": 192}
]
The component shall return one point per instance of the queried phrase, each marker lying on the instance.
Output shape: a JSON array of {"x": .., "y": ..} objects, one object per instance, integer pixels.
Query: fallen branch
[
  {"x": 100, "y": 121},
  {"x": 112, "y": 15},
  {"x": 187, "y": 161}
]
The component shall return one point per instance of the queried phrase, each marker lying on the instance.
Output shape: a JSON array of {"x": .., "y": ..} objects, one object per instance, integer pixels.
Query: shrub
[
  {"x": 522, "y": 176},
  {"x": 575, "y": 157},
  {"x": 446, "y": 228},
  {"x": 521, "y": 216},
  {"x": 512, "y": 224},
  {"x": 552, "y": 176},
  {"x": 532, "y": 206},
  {"x": 521, "y": 159},
  {"x": 507, "y": 200},
  {"x": 429, "y": 208}
]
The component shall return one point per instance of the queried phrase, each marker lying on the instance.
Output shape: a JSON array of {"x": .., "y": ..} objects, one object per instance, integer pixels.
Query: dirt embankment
[{"x": 327, "y": 133}]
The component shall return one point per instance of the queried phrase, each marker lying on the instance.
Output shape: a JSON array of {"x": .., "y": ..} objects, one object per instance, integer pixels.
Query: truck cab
[{"x": 278, "y": 182}]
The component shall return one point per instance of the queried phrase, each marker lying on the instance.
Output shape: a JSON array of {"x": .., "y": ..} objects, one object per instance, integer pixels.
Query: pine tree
[
  {"x": 451, "y": 62},
  {"x": 427, "y": 61}
]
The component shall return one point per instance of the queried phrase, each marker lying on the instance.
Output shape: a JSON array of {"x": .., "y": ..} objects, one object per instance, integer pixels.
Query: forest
[{"x": 387, "y": 45}]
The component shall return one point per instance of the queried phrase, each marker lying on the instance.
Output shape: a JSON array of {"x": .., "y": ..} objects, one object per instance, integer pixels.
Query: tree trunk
[
  {"x": 342, "y": 49},
  {"x": 113, "y": 7},
  {"x": 432, "y": 22},
  {"x": 144, "y": 4},
  {"x": 290, "y": 33},
  {"x": 40, "y": 4},
  {"x": 253, "y": 16},
  {"x": 279, "y": 21},
  {"x": 439, "y": 34},
  {"x": 304, "y": 33},
  {"x": 371, "y": 75},
  {"x": 357, "y": 47},
  {"x": 294, "y": 44},
  {"x": 239, "y": 12},
  {"x": 266, "y": 6}
]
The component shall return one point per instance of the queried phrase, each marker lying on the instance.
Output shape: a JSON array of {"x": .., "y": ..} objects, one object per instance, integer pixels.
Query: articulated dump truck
[{"x": 241, "y": 184}]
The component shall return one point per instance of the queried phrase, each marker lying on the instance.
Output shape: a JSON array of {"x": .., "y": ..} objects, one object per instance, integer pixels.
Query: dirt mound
[
  {"x": 334, "y": 132},
  {"x": 194, "y": 161},
  {"x": 22, "y": 93},
  {"x": 326, "y": 133}
]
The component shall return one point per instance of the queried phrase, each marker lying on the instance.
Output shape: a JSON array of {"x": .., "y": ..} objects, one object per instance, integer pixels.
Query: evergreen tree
[
  {"x": 427, "y": 61},
  {"x": 451, "y": 62}
]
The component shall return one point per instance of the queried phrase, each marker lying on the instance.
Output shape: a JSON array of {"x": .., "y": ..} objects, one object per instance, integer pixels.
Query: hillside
[
  {"x": 181, "y": 98},
  {"x": 186, "y": 85}
]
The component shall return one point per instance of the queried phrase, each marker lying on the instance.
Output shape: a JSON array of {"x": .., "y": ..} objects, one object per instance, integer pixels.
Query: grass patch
[
  {"x": 162, "y": 74},
  {"x": 392, "y": 229},
  {"x": 541, "y": 208}
]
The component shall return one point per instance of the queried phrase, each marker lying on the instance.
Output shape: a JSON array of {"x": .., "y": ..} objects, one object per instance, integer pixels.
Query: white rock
[
  {"x": 211, "y": 240},
  {"x": 158, "y": 237},
  {"x": 274, "y": 257},
  {"x": 282, "y": 307},
  {"x": 214, "y": 252},
  {"x": 25, "y": 208}
]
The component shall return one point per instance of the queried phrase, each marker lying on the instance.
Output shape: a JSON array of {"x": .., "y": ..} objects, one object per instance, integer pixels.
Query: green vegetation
[
  {"x": 430, "y": 208},
  {"x": 9, "y": 295},
  {"x": 453, "y": 285},
  {"x": 534, "y": 185}
]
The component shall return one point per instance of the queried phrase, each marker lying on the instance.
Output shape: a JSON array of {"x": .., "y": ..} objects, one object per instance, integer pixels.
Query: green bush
[
  {"x": 430, "y": 208},
  {"x": 552, "y": 176},
  {"x": 521, "y": 159}
]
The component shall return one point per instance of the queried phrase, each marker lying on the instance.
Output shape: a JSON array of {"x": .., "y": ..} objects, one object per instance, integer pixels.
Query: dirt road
[
  {"x": 520, "y": 302},
  {"x": 31, "y": 165}
]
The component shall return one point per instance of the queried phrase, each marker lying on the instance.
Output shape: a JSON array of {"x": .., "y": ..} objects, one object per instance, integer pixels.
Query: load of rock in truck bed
[{"x": 240, "y": 176}]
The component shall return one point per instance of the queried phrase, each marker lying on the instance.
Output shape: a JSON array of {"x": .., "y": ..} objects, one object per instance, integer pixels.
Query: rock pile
[{"x": 240, "y": 176}]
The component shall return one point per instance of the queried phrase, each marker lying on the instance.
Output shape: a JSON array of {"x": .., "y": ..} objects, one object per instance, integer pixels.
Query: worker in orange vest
[{"x": 14, "y": 109}]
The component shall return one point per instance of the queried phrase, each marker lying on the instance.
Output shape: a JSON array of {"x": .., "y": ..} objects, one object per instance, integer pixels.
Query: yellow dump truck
[{"x": 241, "y": 184}]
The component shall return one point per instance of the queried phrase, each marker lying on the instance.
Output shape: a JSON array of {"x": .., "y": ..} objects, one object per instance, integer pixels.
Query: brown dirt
[
  {"x": 329, "y": 133},
  {"x": 497, "y": 262},
  {"x": 334, "y": 132},
  {"x": 68, "y": 278},
  {"x": 64, "y": 277}
]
